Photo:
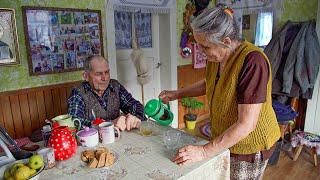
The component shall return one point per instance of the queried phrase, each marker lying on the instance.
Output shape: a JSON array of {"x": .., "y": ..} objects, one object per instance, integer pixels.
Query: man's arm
[
  {"x": 76, "y": 107},
  {"x": 130, "y": 105}
]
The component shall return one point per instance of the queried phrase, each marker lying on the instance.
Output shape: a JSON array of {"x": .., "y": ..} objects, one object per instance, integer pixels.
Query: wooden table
[{"x": 140, "y": 157}]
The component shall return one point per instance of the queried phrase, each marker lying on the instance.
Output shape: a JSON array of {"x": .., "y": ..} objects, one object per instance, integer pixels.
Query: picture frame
[
  {"x": 60, "y": 39},
  {"x": 9, "y": 48},
  {"x": 246, "y": 21}
]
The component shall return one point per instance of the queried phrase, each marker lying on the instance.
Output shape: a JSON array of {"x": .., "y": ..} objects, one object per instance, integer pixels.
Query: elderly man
[{"x": 105, "y": 96}]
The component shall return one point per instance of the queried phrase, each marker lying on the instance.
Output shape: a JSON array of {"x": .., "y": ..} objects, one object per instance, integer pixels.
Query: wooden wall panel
[
  {"x": 187, "y": 75},
  {"x": 48, "y": 103},
  {"x": 16, "y": 115},
  {"x": 7, "y": 114},
  {"x": 23, "y": 111},
  {"x": 25, "y": 114},
  {"x": 63, "y": 99},
  {"x": 56, "y": 101},
  {"x": 33, "y": 111},
  {"x": 41, "y": 108},
  {"x": 1, "y": 116}
]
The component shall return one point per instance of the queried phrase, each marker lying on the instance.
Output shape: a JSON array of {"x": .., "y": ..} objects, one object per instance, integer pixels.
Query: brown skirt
[{"x": 243, "y": 170}]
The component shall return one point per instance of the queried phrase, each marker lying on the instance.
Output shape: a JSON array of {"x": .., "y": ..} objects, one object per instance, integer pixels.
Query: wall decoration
[
  {"x": 192, "y": 9},
  {"x": 59, "y": 39},
  {"x": 9, "y": 50},
  {"x": 199, "y": 58},
  {"x": 123, "y": 29},
  {"x": 246, "y": 21},
  {"x": 143, "y": 29}
]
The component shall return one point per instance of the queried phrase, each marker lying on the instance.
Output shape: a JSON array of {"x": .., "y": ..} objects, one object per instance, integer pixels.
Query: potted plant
[{"x": 191, "y": 104}]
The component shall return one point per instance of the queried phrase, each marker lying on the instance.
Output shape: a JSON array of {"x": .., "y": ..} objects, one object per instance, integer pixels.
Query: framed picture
[
  {"x": 9, "y": 50},
  {"x": 246, "y": 22},
  {"x": 59, "y": 39}
]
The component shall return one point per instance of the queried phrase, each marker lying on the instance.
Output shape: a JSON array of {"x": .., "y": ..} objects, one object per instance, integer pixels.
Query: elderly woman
[{"x": 238, "y": 88}]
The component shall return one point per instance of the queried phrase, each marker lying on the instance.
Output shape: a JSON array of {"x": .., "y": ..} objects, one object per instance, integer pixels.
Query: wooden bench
[{"x": 23, "y": 111}]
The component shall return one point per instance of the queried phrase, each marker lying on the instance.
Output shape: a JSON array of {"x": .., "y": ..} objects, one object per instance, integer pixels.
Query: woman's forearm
[
  {"x": 196, "y": 89},
  {"x": 248, "y": 115}
]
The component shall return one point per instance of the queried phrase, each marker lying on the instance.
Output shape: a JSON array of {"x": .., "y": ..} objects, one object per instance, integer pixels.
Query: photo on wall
[
  {"x": 9, "y": 50},
  {"x": 60, "y": 39}
]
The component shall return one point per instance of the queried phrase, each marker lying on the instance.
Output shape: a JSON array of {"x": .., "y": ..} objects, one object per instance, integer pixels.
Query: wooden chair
[{"x": 311, "y": 141}]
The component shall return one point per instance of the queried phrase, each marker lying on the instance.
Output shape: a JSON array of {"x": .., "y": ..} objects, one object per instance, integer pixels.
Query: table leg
[
  {"x": 314, "y": 154},
  {"x": 297, "y": 153}
]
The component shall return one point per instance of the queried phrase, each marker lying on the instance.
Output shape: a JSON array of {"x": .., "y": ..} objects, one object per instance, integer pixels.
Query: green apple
[
  {"x": 15, "y": 167},
  {"x": 10, "y": 178},
  {"x": 35, "y": 161},
  {"x": 6, "y": 174},
  {"x": 22, "y": 173},
  {"x": 32, "y": 172}
]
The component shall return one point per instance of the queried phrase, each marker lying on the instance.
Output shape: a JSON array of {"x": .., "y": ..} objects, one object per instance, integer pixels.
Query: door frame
[{"x": 171, "y": 67}]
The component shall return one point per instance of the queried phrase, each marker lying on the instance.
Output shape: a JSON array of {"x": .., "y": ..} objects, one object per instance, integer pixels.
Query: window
[
  {"x": 123, "y": 29},
  {"x": 264, "y": 29}
]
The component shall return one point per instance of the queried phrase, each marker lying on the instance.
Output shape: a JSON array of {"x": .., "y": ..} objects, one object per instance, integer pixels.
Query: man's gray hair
[
  {"x": 216, "y": 24},
  {"x": 87, "y": 63}
]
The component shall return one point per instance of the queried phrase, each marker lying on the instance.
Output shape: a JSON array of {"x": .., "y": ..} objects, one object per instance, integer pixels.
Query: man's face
[{"x": 99, "y": 76}]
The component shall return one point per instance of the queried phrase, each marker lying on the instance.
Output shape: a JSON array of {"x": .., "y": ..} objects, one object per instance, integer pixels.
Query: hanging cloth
[
  {"x": 143, "y": 6},
  {"x": 138, "y": 59}
]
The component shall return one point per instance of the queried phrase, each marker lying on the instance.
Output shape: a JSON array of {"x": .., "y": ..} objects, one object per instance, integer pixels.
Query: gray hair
[
  {"x": 216, "y": 24},
  {"x": 87, "y": 63}
]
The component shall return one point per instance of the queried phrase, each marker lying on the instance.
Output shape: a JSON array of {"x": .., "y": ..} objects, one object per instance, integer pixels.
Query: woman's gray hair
[
  {"x": 87, "y": 63},
  {"x": 216, "y": 24}
]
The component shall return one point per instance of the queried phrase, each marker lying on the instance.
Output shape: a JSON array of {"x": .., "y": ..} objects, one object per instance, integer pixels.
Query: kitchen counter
[{"x": 144, "y": 157}]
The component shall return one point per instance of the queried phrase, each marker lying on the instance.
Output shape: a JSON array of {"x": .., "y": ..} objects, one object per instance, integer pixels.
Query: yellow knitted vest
[{"x": 222, "y": 98}]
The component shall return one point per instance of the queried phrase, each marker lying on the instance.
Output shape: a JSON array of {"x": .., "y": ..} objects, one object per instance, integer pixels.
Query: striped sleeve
[{"x": 130, "y": 105}]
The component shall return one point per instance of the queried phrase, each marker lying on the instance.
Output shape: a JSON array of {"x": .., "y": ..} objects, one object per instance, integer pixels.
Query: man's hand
[
  {"x": 120, "y": 122},
  {"x": 132, "y": 122}
]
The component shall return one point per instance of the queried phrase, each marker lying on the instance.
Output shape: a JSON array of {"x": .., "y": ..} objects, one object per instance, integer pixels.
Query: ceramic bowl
[{"x": 24, "y": 161}]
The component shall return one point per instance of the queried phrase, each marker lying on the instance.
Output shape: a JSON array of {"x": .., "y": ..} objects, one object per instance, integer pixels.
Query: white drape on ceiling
[{"x": 144, "y": 6}]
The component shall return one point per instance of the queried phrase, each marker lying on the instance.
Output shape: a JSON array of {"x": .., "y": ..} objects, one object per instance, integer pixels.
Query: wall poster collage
[{"x": 59, "y": 40}]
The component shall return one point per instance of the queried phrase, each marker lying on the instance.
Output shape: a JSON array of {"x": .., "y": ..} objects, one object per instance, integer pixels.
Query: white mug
[{"x": 107, "y": 133}]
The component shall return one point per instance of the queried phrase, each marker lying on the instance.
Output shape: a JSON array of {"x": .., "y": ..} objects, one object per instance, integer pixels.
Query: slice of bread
[
  {"x": 93, "y": 162},
  {"x": 109, "y": 160},
  {"x": 101, "y": 160}
]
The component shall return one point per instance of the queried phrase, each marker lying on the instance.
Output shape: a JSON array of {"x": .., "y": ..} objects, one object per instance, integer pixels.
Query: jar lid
[
  {"x": 152, "y": 107},
  {"x": 87, "y": 132}
]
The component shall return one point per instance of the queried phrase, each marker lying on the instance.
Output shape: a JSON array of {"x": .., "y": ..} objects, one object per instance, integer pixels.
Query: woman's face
[{"x": 214, "y": 52}]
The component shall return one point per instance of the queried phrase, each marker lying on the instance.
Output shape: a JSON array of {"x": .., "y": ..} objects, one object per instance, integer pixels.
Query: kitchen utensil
[
  {"x": 171, "y": 139},
  {"x": 159, "y": 112},
  {"x": 146, "y": 128},
  {"x": 107, "y": 132},
  {"x": 88, "y": 137},
  {"x": 63, "y": 143},
  {"x": 67, "y": 120}
]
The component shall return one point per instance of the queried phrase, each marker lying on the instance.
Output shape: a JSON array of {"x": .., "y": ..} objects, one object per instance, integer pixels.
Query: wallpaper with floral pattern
[{"x": 17, "y": 76}]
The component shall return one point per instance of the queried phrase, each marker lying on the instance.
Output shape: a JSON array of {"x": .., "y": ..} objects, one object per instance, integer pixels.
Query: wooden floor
[{"x": 287, "y": 169}]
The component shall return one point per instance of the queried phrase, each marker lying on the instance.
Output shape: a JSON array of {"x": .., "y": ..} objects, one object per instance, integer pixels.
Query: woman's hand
[
  {"x": 167, "y": 96},
  {"x": 189, "y": 154}
]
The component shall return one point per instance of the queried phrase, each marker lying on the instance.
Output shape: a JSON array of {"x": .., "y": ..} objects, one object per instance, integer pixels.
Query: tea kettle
[{"x": 159, "y": 111}]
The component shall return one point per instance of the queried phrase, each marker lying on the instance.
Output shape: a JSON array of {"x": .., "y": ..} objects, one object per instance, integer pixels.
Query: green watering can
[{"x": 159, "y": 112}]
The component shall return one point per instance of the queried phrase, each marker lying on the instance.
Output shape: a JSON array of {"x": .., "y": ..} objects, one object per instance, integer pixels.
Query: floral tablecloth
[{"x": 144, "y": 157}]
